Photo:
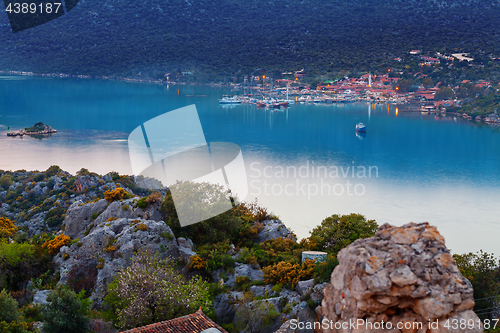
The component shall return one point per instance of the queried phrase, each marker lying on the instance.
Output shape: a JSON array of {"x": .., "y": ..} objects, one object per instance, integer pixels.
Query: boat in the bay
[
  {"x": 360, "y": 127},
  {"x": 230, "y": 100}
]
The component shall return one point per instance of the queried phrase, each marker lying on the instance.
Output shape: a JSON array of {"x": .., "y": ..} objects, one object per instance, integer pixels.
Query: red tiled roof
[{"x": 192, "y": 323}]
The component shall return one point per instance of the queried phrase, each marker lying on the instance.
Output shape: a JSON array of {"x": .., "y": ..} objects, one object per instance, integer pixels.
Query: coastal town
[{"x": 418, "y": 93}]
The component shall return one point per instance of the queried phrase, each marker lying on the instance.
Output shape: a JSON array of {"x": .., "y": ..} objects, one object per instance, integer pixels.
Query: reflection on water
[
  {"x": 100, "y": 151},
  {"x": 361, "y": 135}
]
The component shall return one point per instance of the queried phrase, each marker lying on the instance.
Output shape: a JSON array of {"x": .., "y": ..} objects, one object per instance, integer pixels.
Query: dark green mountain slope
[{"x": 117, "y": 37}]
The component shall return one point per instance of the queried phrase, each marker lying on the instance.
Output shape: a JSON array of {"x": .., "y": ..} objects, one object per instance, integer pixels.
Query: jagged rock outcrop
[
  {"x": 401, "y": 276},
  {"x": 109, "y": 240},
  {"x": 241, "y": 270},
  {"x": 274, "y": 229},
  {"x": 149, "y": 183},
  {"x": 304, "y": 287},
  {"x": 81, "y": 217},
  {"x": 40, "y": 296}
]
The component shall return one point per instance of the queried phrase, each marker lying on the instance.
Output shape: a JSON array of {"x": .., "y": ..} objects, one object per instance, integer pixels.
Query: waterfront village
[{"x": 426, "y": 97}]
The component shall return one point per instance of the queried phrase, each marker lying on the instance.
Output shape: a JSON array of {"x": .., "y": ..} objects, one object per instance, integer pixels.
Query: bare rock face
[
  {"x": 81, "y": 217},
  {"x": 401, "y": 280},
  {"x": 110, "y": 246}
]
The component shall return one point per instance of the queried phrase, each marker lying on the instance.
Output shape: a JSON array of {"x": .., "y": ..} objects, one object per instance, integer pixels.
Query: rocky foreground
[
  {"x": 107, "y": 235},
  {"x": 401, "y": 275}
]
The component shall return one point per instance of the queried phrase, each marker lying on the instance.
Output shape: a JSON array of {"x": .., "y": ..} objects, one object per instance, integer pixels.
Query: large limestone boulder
[
  {"x": 402, "y": 276},
  {"x": 273, "y": 229},
  {"x": 242, "y": 270},
  {"x": 40, "y": 297},
  {"x": 110, "y": 245},
  {"x": 81, "y": 217}
]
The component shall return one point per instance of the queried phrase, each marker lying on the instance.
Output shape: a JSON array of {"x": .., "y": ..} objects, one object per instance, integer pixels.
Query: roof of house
[{"x": 193, "y": 323}]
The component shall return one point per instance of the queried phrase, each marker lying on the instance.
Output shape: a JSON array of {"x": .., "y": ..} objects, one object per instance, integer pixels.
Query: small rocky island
[{"x": 37, "y": 129}]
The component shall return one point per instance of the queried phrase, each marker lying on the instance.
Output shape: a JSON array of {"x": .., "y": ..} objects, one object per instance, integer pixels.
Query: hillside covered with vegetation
[
  {"x": 56, "y": 236},
  {"x": 234, "y": 37}
]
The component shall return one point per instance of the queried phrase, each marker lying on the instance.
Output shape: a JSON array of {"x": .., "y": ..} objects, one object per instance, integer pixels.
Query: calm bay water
[{"x": 299, "y": 161}]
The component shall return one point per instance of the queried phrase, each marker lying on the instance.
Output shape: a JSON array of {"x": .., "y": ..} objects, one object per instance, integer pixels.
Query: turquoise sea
[{"x": 304, "y": 163}]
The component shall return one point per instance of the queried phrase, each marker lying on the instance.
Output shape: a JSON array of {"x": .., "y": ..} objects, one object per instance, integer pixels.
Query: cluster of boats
[{"x": 271, "y": 103}]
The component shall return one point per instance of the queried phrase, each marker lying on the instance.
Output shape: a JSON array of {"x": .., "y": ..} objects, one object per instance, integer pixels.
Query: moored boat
[
  {"x": 360, "y": 127},
  {"x": 230, "y": 100}
]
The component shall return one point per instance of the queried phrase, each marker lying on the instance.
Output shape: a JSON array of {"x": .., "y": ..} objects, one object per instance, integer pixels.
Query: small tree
[
  {"x": 17, "y": 263},
  {"x": 52, "y": 171},
  {"x": 483, "y": 271},
  {"x": 443, "y": 93},
  {"x": 8, "y": 307},
  {"x": 64, "y": 313},
  {"x": 193, "y": 197},
  {"x": 405, "y": 85},
  {"x": 150, "y": 290},
  {"x": 427, "y": 82},
  {"x": 336, "y": 232},
  {"x": 6, "y": 181}
]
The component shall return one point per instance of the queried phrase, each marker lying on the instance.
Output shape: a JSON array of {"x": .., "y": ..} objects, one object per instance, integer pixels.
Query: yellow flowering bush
[
  {"x": 197, "y": 262},
  {"x": 287, "y": 273},
  {"x": 142, "y": 227},
  {"x": 118, "y": 193},
  {"x": 55, "y": 244},
  {"x": 7, "y": 228}
]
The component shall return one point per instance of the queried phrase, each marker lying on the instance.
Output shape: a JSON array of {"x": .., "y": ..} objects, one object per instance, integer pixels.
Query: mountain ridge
[{"x": 226, "y": 37}]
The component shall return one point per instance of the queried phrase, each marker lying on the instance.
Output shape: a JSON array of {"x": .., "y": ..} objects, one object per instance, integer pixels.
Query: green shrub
[
  {"x": 83, "y": 172},
  {"x": 277, "y": 288},
  {"x": 52, "y": 171},
  {"x": 55, "y": 217},
  {"x": 215, "y": 256},
  {"x": 13, "y": 327},
  {"x": 338, "y": 231},
  {"x": 227, "y": 226},
  {"x": 18, "y": 262},
  {"x": 142, "y": 203},
  {"x": 32, "y": 312},
  {"x": 64, "y": 313},
  {"x": 242, "y": 283},
  {"x": 8, "y": 307},
  {"x": 39, "y": 177},
  {"x": 6, "y": 181},
  {"x": 167, "y": 235},
  {"x": 322, "y": 272},
  {"x": 96, "y": 215}
]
